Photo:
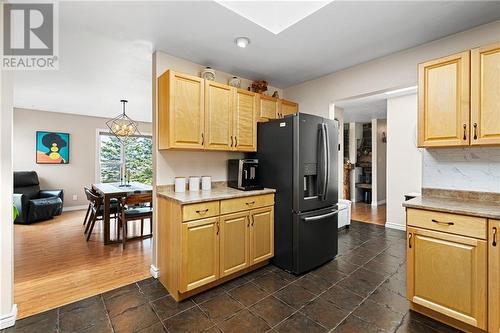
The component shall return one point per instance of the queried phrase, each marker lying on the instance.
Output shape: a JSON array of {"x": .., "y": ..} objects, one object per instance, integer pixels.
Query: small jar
[
  {"x": 206, "y": 183},
  {"x": 194, "y": 183},
  {"x": 180, "y": 184}
]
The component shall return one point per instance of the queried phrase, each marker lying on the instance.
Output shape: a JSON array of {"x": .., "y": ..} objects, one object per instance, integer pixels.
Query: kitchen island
[{"x": 206, "y": 238}]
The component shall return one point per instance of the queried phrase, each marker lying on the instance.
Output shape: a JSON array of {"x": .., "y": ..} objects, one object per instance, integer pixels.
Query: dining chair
[
  {"x": 133, "y": 208},
  {"x": 113, "y": 203},
  {"x": 95, "y": 211}
]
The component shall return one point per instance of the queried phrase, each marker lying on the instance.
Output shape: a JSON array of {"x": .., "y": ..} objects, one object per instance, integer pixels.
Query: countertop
[
  {"x": 216, "y": 193},
  {"x": 459, "y": 202}
]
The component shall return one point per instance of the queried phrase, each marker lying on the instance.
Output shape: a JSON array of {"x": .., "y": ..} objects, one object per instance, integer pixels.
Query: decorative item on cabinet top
[
  {"x": 235, "y": 82},
  {"x": 198, "y": 114},
  {"x": 208, "y": 74},
  {"x": 259, "y": 86}
]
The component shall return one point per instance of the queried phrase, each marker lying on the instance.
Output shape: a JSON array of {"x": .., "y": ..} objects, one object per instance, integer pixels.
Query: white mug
[{"x": 194, "y": 184}]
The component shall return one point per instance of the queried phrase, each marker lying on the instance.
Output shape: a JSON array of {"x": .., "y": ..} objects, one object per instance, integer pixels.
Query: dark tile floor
[{"x": 362, "y": 290}]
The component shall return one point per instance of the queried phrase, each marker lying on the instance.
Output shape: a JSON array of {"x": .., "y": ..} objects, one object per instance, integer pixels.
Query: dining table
[{"x": 117, "y": 190}]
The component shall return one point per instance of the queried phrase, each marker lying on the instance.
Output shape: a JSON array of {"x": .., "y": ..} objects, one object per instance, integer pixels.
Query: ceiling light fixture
[
  {"x": 242, "y": 42},
  {"x": 122, "y": 126}
]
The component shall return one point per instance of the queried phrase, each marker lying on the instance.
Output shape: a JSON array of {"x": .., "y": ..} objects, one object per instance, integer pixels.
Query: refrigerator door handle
[
  {"x": 327, "y": 161},
  {"x": 320, "y": 217}
]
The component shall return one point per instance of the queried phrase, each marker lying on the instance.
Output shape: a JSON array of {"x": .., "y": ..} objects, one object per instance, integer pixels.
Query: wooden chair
[
  {"x": 132, "y": 208},
  {"x": 95, "y": 210}
]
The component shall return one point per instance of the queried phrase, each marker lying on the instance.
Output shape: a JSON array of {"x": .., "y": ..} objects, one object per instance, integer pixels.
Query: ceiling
[
  {"x": 364, "y": 110},
  {"x": 105, "y": 47}
]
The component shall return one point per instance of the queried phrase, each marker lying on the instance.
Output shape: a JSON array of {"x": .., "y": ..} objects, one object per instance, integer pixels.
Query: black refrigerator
[{"x": 298, "y": 157}]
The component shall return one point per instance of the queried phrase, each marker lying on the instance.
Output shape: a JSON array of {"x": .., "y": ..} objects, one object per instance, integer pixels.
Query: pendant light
[{"x": 122, "y": 126}]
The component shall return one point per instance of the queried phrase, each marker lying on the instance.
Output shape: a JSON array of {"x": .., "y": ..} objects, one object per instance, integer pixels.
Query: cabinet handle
[
  {"x": 231, "y": 140},
  {"x": 441, "y": 222},
  {"x": 249, "y": 203},
  {"x": 202, "y": 139},
  {"x": 202, "y": 212},
  {"x": 494, "y": 236},
  {"x": 218, "y": 228},
  {"x": 235, "y": 141},
  {"x": 409, "y": 240},
  {"x": 465, "y": 132},
  {"x": 475, "y": 131}
]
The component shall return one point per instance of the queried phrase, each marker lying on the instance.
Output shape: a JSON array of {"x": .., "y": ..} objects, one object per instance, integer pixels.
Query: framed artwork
[{"x": 52, "y": 147}]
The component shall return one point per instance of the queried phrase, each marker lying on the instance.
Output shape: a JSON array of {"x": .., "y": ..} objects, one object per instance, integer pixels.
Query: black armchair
[{"x": 32, "y": 203}]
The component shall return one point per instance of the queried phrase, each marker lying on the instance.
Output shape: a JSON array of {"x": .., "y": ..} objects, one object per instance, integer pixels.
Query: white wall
[
  {"x": 392, "y": 71},
  {"x": 404, "y": 159},
  {"x": 7, "y": 307},
  {"x": 81, "y": 169},
  {"x": 472, "y": 169},
  {"x": 338, "y": 114}
]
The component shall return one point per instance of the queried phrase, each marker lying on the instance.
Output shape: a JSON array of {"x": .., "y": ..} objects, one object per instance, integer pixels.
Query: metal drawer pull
[
  {"x": 409, "y": 240},
  {"x": 475, "y": 131},
  {"x": 231, "y": 140},
  {"x": 218, "y": 228},
  {"x": 250, "y": 203},
  {"x": 494, "y": 237},
  {"x": 465, "y": 132},
  {"x": 440, "y": 222},
  {"x": 202, "y": 211},
  {"x": 319, "y": 217}
]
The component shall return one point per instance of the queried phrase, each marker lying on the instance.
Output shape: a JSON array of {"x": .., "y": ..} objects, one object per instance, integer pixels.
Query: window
[{"x": 136, "y": 154}]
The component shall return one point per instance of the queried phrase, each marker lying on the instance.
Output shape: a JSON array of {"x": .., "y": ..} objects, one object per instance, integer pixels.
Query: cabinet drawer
[
  {"x": 200, "y": 210},
  {"x": 446, "y": 222},
  {"x": 240, "y": 204}
]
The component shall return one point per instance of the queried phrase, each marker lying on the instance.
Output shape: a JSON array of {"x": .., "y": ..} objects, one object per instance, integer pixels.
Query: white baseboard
[
  {"x": 9, "y": 319},
  {"x": 72, "y": 208},
  {"x": 395, "y": 226},
  {"x": 155, "y": 272},
  {"x": 378, "y": 203}
]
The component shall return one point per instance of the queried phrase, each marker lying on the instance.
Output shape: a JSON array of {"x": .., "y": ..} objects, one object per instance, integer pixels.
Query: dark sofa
[{"x": 32, "y": 203}]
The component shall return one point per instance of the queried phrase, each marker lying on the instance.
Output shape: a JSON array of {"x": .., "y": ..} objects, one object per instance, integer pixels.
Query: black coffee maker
[{"x": 243, "y": 174}]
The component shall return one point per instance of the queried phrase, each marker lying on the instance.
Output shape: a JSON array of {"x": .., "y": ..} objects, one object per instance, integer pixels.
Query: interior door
[
  {"x": 443, "y": 101},
  {"x": 485, "y": 95},
  {"x": 234, "y": 242},
  {"x": 494, "y": 276},
  {"x": 447, "y": 273},
  {"x": 200, "y": 253},
  {"x": 245, "y": 122},
  {"x": 261, "y": 234},
  {"x": 314, "y": 238},
  {"x": 219, "y": 116}
]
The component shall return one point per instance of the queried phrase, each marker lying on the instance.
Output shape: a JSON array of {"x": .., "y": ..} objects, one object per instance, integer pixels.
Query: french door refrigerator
[{"x": 298, "y": 157}]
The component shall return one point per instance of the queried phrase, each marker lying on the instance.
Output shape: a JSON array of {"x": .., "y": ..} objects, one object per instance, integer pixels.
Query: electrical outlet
[{"x": 75, "y": 197}]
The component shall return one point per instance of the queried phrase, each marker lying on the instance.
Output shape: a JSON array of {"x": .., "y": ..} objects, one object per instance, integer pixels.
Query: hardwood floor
[
  {"x": 54, "y": 265},
  {"x": 367, "y": 213}
]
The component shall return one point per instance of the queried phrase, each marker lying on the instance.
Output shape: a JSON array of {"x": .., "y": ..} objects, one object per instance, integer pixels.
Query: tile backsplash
[{"x": 471, "y": 169}]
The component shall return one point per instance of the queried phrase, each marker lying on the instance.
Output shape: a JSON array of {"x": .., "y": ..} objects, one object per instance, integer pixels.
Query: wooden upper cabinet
[
  {"x": 494, "y": 276},
  {"x": 448, "y": 274},
  {"x": 200, "y": 253},
  {"x": 181, "y": 114},
  {"x": 218, "y": 116},
  {"x": 245, "y": 120},
  {"x": 287, "y": 108},
  {"x": 234, "y": 247},
  {"x": 261, "y": 234},
  {"x": 485, "y": 95},
  {"x": 268, "y": 108},
  {"x": 443, "y": 101}
]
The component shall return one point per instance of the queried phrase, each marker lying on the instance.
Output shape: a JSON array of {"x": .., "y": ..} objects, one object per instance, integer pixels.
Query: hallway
[{"x": 367, "y": 213}]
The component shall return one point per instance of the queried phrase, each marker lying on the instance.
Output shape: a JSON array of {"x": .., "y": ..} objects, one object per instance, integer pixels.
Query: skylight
[{"x": 275, "y": 16}]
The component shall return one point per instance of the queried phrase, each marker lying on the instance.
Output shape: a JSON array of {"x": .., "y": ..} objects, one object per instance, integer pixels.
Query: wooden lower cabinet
[
  {"x": 494, "y": 276},
  {"x": 261, "y": 234},
  {"x": 448, "y": 274},
  {"x": 200, "y": 253},
  {"x": 234, "y": 242}
]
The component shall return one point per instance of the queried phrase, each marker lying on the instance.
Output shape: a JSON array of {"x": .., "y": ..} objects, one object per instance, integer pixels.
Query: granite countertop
[
  {"x": 216, "y": 193},
  {"x": 482, "y": 204}
]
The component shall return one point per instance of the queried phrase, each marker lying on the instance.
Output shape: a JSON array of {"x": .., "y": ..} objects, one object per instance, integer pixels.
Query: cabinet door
[
  {"x": 494, "y": 276},
  {"x": 268, "y": 107},
  {"x": 219, "y": 116},
  {"x": 180, "y": 111},
  {"x": 287, "y": 108},
  {"x": 200, "y": 253},
  {"x": 448, "y": 274},
  {"x": 245, "y": 122},
  {"x": 443, "y": 101},
  {"x": 485, "y": 95},
  {"x": 261, "y": 234},
  {"x": 234, "y": 243}
]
